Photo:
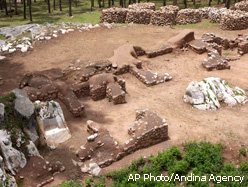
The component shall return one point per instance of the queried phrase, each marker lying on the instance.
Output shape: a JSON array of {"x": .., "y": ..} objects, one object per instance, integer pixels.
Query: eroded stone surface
[
  {"x": 52, "y": 123},
  {"x": 14, "y": 159},
  {"x": 207, "y": 94}
]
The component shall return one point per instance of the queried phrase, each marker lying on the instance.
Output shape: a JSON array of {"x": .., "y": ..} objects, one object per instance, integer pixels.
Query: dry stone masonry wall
[{"x": 234, "y": 20}]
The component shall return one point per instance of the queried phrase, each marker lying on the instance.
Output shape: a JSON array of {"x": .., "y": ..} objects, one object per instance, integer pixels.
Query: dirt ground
[{"x": 226, "y": 125}]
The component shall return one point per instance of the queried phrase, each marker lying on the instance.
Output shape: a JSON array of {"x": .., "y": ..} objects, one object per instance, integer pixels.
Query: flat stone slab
[
  {"x": 52, "y": 123},
  {"x": 198, "y": 46}
]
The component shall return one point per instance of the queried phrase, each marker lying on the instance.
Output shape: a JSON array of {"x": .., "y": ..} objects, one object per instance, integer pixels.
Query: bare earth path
[{"x": 227, "y": 125}]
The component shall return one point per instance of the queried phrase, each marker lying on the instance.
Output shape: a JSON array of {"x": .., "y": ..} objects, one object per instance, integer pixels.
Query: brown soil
[{"x": 226, "y": 125}]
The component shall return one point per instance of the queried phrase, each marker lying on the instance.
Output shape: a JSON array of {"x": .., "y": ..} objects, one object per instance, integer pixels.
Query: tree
[
  {"x": 185, "y": 3},
  {"x": 54, "y": 5},
  {"x": 70, "y": 12},
  {"x": 164, "y": 2},
  {"x": 209, "y": 2},
  {"x": 24, "y": 9},
  {"x": 227, "y": 4},
  {"x": 5, "y": 6},
  {"x": 174, "y": 2},
  {"x": 60, "y": 5},
  {"x": 30, "y": 10},
  {"x": 49, "y": 6},
  {"x": 10, "y": 12},
  {"x": 16, "y": 11}
]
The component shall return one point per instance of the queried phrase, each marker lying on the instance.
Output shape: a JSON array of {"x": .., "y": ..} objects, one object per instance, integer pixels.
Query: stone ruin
[
  {"x": 40, "y": 87},
  {"x": 208, "y": 93},
  {"x": 166, "y": 15},
  {"x": 242, "y": 44},
  {"x": 102, "y": 149},
  {"x": 234, "y": 20},
  {"x": 188, "y": 16}
]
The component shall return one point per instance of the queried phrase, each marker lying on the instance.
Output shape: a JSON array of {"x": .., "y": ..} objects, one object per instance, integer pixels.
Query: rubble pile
[
  {"x": 139, "y": 16},
  {"x": 234, "y": 20},
  {"x": 208, "y": 93},
  {"x": 137, "y": 6},
  {"x": 166, "y": 15},
  {"x": 188, "y": 16},
  {"x": 204, "y": 12},
  {"x": 243, "y": 6},
  {"x": 215, "y": 61},
  {"x": 113, "y": 15},
  {"x": 215, "y": 14}
]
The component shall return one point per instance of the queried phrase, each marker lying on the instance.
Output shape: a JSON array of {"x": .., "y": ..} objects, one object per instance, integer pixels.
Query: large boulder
[
  {"x": 14, "y": 159},
  {"x": 208, "y": 93},
  {"x": 25, "y": 111},
  {"x": 52, "y": 123}
]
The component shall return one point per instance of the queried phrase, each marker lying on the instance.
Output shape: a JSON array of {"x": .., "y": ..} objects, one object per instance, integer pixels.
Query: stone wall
[
  {"x": 243, "y": 6},
  {"x": 113, "y": 15},
  {"x": 147, "y": 130},
  {"x": 234, "y": 20},
  {"x": 139, "y": 16},
  {"x": 147, "y": 6},
  {"x": 188, "y": 16}
]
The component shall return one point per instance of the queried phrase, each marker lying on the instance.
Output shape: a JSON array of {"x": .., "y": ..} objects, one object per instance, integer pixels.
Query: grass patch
[
  {"x": 242, "y": 151},
  {"x": 70, "y": 183},
  {"x": 226, "y": 53}
]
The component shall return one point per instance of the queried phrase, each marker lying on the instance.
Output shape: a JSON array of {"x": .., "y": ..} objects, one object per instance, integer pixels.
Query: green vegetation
[
  {"x": 226, "y": 53},
  {"x": 13, "y": 124},
  {"x": 199, "y": 159},
  {"x": 70, "y": 183},
  {"x": 242, "y": 151}
]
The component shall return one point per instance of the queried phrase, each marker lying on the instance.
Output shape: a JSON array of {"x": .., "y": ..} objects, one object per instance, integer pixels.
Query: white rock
[
  {"x": 94, "y": 169},
  {"x": 207, "y": 94},
  {"x": 48, "y": 37},
  {"x": 24, "y": 49},
  {"x": 5, "y": 48},
  {"x": 55, "y": 35},
  {"x": 12, "y": 50}
]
